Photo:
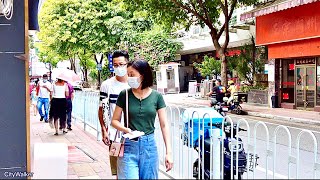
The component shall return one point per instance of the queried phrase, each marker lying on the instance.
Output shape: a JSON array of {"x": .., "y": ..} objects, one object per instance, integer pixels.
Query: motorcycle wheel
[
  {"x": 227, "y": 175},
  {"x": 238, "y": 110},
  {"x": 197, "y": 170}
]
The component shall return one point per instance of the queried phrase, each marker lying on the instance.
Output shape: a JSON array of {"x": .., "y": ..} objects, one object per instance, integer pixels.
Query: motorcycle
[
  {"x": 224, "y": 107},
  {"x": 234, "y": 105},
  {"x": 219, "y": 107},
  {"x": 227, "y": 145}
]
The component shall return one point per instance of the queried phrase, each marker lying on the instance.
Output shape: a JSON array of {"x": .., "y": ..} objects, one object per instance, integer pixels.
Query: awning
[{"x": 275, "y": 6}]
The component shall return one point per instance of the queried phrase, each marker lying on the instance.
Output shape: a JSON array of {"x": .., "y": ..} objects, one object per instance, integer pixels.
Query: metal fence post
[{"x": 84, "y": 113}]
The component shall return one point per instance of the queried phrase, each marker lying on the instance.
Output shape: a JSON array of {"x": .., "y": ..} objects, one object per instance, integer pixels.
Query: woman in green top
[{"x": 140, "y": 160}]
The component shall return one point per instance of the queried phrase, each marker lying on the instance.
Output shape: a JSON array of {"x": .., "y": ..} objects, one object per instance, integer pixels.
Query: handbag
[{"x": 117, "y": 148}]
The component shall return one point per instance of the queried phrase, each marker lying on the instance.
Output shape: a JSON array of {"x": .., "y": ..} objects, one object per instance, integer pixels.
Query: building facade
[
  {"x": 197, "y": 43},
  {"x": 291, "y": 31}
]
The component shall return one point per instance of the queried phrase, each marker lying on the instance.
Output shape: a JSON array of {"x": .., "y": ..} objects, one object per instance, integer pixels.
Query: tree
[
  {"x": 101, "y": 26},
  {"x": 199, "y": 12},
  {"x": 155, "y": 46},
  {"x": 210, "y": 66},
  {"x": 248, "y": 62}
]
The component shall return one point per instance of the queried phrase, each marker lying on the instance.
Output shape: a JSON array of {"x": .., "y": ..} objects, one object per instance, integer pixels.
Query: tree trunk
[
  {"x": 253, "y": 58},
  {"x": 224, "y": 78},
  {"x": 72, "y": 64}
]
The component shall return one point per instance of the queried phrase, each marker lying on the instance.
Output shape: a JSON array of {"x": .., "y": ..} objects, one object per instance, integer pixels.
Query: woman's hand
[
  {"x": 127, "y": 130},
  {"x": 169, "y": 162}
]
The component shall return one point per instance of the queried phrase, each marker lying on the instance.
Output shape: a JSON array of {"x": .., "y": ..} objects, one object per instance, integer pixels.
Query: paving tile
[
  {"x": 73, "y": 177},
  {"x": 41, "y": 132},
  {"x": 90, "y": 177}
]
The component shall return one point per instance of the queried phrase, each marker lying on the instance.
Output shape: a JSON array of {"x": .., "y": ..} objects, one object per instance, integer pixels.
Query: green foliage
[
  {"x": 249, "y": 88},
  {"x": 210, "y": 66},
  {"x": 174, "y": 14},
  {"x": 156, "y": 46},
  {"x": 80, "y": 28},
  {"x": 105, "y": 73},
  {"x": 244, "y": 64}
]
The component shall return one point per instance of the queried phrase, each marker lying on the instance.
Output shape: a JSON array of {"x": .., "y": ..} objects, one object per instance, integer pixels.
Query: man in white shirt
[
  {"x": 44, "y": 89},
  {"x": 109, "y": 91}
]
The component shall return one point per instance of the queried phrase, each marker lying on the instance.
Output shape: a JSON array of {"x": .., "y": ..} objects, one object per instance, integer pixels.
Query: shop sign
[
  {"x": 285, "y": 96},
  {"x": 305, "y": 61}
]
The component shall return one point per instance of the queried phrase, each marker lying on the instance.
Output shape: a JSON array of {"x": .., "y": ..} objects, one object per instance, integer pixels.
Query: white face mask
[
  {"x": 120, "y": 71},
  {"x": 134, "y": 82}
]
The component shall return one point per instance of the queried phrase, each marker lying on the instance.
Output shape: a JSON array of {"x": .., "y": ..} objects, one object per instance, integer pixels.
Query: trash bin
[
  {"x": 274, "y": 101},
  {"x": 192, "y": 88}
]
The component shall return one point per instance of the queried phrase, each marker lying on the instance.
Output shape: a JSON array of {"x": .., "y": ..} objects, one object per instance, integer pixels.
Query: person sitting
[
  {"x": 232, "y": 89},
  {"x": 218, "y": 90}
]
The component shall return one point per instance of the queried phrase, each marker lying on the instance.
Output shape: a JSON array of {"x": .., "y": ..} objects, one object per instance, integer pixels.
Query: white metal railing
[
  {"x": 193, "y": 128},
  {"x": 85, "y": 109}
]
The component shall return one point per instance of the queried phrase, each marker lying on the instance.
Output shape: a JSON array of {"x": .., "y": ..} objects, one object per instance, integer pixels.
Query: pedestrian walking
[
  {"x": 58, "y": 107},
  {"x": 109, "y": 92},
  {"x": 34, "y": 100},
  {"x": 44, "y": 89},
  {"x": 140, "y": 159},
  {"x": 69, "y": 105}
]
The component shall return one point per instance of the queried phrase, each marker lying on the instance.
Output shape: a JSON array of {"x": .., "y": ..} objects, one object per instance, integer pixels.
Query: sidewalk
[
  {"x": 87, "y": 158},
  {"x": 309, "y": 117}
]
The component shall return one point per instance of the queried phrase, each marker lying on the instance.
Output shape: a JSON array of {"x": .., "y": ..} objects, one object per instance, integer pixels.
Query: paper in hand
[{"x": 133, "y": 134}]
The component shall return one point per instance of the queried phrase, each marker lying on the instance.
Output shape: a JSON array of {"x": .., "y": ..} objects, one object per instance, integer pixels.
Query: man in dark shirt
[{"x": 218, "y": 90}]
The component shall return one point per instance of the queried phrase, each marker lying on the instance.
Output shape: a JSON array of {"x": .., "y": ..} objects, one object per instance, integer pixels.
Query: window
[{"x": 287, "y": 84}]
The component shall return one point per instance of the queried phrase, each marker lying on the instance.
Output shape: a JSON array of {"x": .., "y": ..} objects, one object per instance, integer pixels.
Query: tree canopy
[
  {"x": 79, "y": 29},
  {"x": 181, "y": 13}
]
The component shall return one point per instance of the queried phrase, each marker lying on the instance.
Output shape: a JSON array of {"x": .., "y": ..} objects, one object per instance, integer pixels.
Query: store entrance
[{"x": 305, "y": 86}]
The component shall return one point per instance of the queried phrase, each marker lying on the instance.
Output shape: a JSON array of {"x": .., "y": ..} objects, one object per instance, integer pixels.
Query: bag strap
[
  {"x": 127, "y": 114},
  {"x": 127, "y": 108}
]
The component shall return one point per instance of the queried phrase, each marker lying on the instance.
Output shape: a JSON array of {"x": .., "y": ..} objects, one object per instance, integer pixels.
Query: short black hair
[
  {"x": 120, "y": 53},
  {"x": 219, "y": 80},
  {"x": 45, "y": 75},
  {"x": 145, "y": 70}
]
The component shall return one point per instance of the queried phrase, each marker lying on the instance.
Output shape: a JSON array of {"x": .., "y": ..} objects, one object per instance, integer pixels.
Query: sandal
[
  {"x": 56, "y": 134},
  {"x": 64, "y": 132}
]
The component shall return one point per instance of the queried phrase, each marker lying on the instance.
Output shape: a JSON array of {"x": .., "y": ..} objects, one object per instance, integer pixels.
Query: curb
[
  {"x": 269, "y": 116},
  {"x": 285, "y": 118}
]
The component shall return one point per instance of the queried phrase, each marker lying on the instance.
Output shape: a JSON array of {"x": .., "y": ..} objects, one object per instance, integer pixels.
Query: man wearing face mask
[
  {"x": 109, "y": 92},
  {"x": 43, "y": 92}
]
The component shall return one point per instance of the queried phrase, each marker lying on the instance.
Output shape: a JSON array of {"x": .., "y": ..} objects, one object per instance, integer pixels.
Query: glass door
[{"x": 305, "y": 87}]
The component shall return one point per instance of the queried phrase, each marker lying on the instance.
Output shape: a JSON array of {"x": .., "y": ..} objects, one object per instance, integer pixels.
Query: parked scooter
[{"x": 227, "y": 144}]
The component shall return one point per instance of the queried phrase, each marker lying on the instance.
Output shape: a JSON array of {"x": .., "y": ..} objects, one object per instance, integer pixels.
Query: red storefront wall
[{"x": 293, "y": 32}]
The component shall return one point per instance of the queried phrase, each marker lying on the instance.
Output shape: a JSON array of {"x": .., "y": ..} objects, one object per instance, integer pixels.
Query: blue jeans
[
  {"x": 140, "y": 159},
  {"x": 43, "y": 102},
  {"x": 69, "y": 111}
]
